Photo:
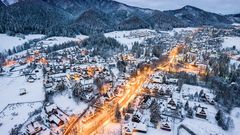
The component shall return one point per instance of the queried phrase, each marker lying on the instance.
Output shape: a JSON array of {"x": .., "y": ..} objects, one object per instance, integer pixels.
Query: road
[
  {"x": 105, "y": 115},
  {"x": 132, "y": 89}
]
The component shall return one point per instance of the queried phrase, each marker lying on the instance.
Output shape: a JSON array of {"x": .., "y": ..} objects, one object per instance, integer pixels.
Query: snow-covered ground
[
  {"x": 179, "y": 30},
  {"x": 8, "y": 42},
  {"x": 235, "y": 114},
  {"x": 129, "y": 37},
  {"x": 60, "y": 40},
  {"x": 10, "y": 89},
  {"x": 191, "y": 89},
  {"x": 184, "y": 29},
  {"x": 68, "y": 105},
  {"x": 183, "y": 132},
  {"x": 110, "y": 129},
  {"x": 203, "y": 127},
  {"x": 230, "y": 42},
  {"x": 234, "y": 62},
  {"x": 153, "y": 131},
  {"x": 236, "y": 24},
  {"x": 16, "y": 114},
  {"x": 208, "y": 126}
]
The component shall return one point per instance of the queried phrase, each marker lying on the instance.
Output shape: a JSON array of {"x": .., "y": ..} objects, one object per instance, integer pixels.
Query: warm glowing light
[
  {"x": 10, "y": 63},
  {"x": 132, "y": 88},
  {"x": 43, "y": 61},
  {"x": 30, "y": 59}
]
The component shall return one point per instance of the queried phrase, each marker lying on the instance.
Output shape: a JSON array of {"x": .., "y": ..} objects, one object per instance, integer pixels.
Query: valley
[
  {"x": 134, "y": 91},
  {"x": 102, "y": 67}
]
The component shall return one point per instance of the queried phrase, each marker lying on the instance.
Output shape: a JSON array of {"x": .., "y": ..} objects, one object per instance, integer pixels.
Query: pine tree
[
  {"x": 186, "y": 107},
  {"x": 118, "y": 113},
  {"x": 190, "y": 113},
  {"x": 222, "y": 120},
  {"x": 218, "y": 116}
]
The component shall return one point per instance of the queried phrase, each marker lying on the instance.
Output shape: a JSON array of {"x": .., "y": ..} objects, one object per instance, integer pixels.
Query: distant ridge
[{"x": 70, "y": 17}]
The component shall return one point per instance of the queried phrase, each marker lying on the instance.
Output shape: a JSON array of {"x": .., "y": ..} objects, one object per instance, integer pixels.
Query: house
[
  {"x": 53, "y": 119},
  {"x": 172, "y": 81},
  {"x": 137, "y": 117},
  {"x": 201, "y": 113},
  {"x": 172, "y": 104},
  {"x": 126, "y": 130},
  {"x": 161, "y": 92},
  {"x": 157, "y": 79},
  {"x": 166, "y": 126},
  {"x": 140, "y": 127},
  {"x": 87, "y": 96},
  {"x": 48, "y": 83},
  {"x": 33, "y": 128},
  {"x": 50, "y": 108},
  {"x": 30, "y": 79},
  {"x": 130, "y": 128},
  {"x": 146, "y": 102},
  {"x": 56, "y": 115},
  {"x": 109, "y": 95},
  {"x": 207, "y": 98}
]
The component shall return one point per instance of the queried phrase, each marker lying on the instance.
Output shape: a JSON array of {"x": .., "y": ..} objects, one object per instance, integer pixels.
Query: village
[{"x": 71, "y": 90}]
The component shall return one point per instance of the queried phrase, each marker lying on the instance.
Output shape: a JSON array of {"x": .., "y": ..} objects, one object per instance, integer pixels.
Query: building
[
  {"x": 130, "y": 128},
  {"x": 165, "y": 126},
  {"x": 33, "y": 128},
  {"x": 172, "y": 104},
  {"x": 201, "y": 113},
  {"x": 56, "y": 115}
]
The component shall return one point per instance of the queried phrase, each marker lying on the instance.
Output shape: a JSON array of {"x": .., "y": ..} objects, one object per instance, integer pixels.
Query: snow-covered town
[
  {"x": 61, "y": 86},
  {"x": 108, "y": 67}
]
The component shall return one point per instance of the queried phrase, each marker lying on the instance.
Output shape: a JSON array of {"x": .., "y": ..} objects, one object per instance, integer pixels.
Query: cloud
[{"x": 217, "y": 6}]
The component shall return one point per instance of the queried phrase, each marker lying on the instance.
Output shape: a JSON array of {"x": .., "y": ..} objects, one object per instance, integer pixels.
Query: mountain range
[{"x": 70, "y": 17}]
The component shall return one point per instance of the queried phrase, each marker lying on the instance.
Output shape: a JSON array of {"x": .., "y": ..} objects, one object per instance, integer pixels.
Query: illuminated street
[{"x": 132, "y": 88}]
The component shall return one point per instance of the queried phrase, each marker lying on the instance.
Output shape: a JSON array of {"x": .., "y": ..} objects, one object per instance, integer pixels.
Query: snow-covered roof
[{"x": 50, "y": 108}]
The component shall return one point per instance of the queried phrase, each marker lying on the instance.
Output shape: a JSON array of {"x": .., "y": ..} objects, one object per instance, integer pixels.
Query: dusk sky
[{"x": 217, "y": 6}]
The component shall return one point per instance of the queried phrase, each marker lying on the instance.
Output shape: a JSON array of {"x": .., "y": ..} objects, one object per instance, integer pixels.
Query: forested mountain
[
  {"x": 1, "y": 4},
  {"x": 192, "y": 16},
  {"x": 70, "y": 17},
  {"x": 134, "y": 22},
  {"x": 77, "y": 7},
  {"x": 164, "y": 21},
  {"x": 32, "y": 16},
  {"x": 234, "y": 17},
  {"x": 93, "y": 21},
  {"x": 105, "y": 47},
  {"x": 10, "y": 2}
]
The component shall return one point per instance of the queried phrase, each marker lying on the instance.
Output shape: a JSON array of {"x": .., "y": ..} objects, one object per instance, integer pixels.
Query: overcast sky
[{"x": 217, "y": 6}]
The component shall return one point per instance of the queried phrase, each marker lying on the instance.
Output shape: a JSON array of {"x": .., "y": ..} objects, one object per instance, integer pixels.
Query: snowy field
[
  {"x": 179, "y": 30},
  {"x": 129, "y": 37},
  {"x": 60, "y": 40},
  {"x": 208, "y": 126},
  {"x": 68, "y": 105},
  {"x": 8, "y": 42},
  {"x": 16, "y": 114},
  {"x": 191, "y": 89},
  {"x": 230, "y": 42},
  {"x": 10, "y": 89}
]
